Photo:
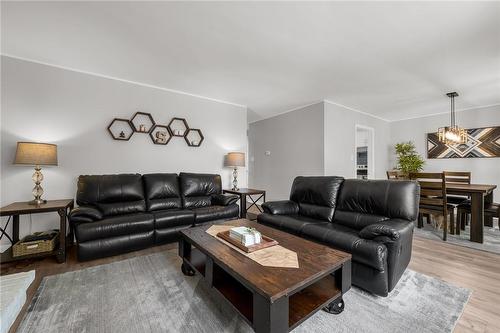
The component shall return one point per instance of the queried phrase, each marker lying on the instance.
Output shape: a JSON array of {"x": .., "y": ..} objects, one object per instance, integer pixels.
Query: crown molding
[
  {"x": 142, "y": 84},
  {"x": 356, "y": 110},
  {"x": 448, "y": 112},
  {"x": 287, "y": 111}
]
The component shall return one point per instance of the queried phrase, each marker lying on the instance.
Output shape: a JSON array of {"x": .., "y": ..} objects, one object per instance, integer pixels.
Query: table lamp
[
  {"x": 235, "y": 160},
  {"x": 37, "y": 154}
]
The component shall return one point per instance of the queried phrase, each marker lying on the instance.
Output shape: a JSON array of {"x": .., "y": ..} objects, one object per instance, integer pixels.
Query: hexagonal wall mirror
[
  {"x": 120, "y": 129},
  {"x": 194, "y": 137},
  {"x": 142, "y": 122},
  {"x": 160, "y": 135}
]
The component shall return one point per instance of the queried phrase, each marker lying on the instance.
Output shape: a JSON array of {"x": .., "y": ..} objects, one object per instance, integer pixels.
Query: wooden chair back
[
  {"x": 432, "y": 192},
  {"x": 457, "y": 177},
  {"x": 394, "y": 174}
]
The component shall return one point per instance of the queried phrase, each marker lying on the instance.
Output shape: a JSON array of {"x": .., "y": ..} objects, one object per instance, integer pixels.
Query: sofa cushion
[
  {"x": 212, "y": 213},
  {"x": 367, "y": 252},
  {"x": 356, "y": 220},
  {"x": 197, "y": 189},
  {"x": 112, "y": 194},
  {"x": 316, "y": 196},
  {"x": 290, "y": 223},
  {"x": 394, "y": 199},
  {"x": 173, "y": 218},
  {"x": 115, "y": 226},
  {"x": 162, "y": 191}
]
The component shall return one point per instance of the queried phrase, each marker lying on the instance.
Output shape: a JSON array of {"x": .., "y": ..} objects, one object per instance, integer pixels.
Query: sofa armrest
[
  {"x": 284, "y": 207},
  {"x": 390, "y": 229},
  {"x": 85, "y": 214},
  {"x": 224, "y": 199}
]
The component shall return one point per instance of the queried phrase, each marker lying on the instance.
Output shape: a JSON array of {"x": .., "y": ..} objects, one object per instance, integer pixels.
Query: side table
[
  {"x": 248, "y": 192},
  {"x": 62, "y": 207}
]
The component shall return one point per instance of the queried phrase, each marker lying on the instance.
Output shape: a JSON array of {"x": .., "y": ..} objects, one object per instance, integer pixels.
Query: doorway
[{"x": 364, "y": 155}]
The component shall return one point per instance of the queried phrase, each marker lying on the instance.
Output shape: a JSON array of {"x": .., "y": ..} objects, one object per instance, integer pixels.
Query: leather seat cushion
[
  {"x": 115, "y": 226},
  {"x": 290, "y": 223},
  {"x": 367, "y": 252},
  {"x": 211, "y": 213},
  {"x": 173, "y": 218},
  {"x": 356, "y": 220}
]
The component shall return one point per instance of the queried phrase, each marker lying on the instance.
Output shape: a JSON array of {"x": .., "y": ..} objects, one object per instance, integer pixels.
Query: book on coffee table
[{"x": 246, "y": 236}]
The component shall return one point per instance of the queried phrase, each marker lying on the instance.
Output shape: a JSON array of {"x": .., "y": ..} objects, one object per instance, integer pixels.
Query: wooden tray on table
[{"x": 264, "y": 243}]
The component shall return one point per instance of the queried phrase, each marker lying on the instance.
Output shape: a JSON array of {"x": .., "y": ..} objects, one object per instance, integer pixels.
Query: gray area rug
[
  {"x": 491, "y": 237},
  {"x": 150, "y": 294}
]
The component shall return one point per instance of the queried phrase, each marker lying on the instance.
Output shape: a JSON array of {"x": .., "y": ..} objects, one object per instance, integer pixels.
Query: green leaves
[{"x": 408, "y": 158}]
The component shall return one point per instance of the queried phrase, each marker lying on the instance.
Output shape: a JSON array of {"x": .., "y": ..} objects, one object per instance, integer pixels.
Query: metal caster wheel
[
  {"x": 186, "y": 270},
  {"x": 335, "y": 307}
]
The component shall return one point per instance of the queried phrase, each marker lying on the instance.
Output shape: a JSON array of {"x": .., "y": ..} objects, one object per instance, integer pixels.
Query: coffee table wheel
[
  {"x": 186, "y": 270},
  {"x": 335, "y": 307}
]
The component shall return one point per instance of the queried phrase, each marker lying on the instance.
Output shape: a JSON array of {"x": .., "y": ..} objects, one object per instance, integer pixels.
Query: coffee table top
[{"x": 315, "y": 260}]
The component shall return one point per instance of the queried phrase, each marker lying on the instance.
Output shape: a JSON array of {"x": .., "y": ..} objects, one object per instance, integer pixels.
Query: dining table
[{"x": 479, "y": 195}]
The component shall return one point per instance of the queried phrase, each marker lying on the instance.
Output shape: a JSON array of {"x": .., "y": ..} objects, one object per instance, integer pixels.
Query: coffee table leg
[
  {"x": 270, "y": 317},
  {"x": 185, "y": 252},
  {"x": 335, "y": 307}
]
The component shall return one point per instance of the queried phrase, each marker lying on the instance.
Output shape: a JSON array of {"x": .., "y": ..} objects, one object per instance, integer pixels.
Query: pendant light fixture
[{"x": 452, "y": 134}]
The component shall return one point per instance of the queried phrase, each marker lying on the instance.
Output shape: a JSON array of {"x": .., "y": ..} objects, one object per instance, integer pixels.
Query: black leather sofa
[
  {"x": 371, "y": 219},
  {"x": 127, "y": 212}
]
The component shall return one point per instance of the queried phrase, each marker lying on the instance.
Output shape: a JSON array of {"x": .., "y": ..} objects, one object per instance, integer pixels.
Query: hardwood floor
[{"x": 469, "y": 268}]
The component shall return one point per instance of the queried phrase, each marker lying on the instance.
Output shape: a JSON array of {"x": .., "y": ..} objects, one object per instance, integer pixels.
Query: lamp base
[{"x": 37, "y": 202}]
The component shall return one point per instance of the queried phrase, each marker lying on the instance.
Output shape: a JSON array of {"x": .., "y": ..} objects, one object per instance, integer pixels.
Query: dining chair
[
  {"x": 395, "y": 174},
  {"x": 491, "y": 210},
  {"x": 433, "y": 199},
  {"x": 457, "y": 177}
]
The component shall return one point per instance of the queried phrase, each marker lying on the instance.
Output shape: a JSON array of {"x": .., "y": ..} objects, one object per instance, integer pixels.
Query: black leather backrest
[
  {"x": 112, "y": 194},
  {"x": 390, "y": 198},
  {"x": 162, "y": 191},
  {"x": 197, "y": 188},
  {"x": 316, "y": 196}
]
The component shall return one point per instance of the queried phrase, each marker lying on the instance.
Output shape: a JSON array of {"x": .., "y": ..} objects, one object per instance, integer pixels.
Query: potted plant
[{"x": 408, "y": 158}]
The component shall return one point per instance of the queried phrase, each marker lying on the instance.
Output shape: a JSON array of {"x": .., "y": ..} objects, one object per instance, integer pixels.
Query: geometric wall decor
[
  {"x": 120, "y": 129},
  {"x": 160, "y": 134},
  {"x": 194, "y": 137},
  {"x": 481, "y": 143},
  {"x": 142, "y": 122}
]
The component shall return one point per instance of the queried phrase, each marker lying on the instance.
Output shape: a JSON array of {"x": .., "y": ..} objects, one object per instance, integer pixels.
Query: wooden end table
[
  {"x": 248, "y": 192},
  {"x": 270, "y": 299},
  {"x": 62, "y": 207}
]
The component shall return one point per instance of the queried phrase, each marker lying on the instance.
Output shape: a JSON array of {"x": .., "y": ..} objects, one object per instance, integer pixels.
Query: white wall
[
  {"x": 340, "y": 141},
  {"x": 295, "y": 141},
  {"x": 71, "y": 109},
  {"x": 484, "y": 170}
]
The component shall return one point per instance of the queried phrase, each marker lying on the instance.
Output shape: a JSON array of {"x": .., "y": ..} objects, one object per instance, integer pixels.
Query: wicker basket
[{"x": 23, "y": 248}]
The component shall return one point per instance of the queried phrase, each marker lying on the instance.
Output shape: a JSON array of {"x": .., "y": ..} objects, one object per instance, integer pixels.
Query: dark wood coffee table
[{"x": 270, "y": 299}]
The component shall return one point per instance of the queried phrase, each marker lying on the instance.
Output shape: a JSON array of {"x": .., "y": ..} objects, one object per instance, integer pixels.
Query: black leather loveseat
[
  {"x": 371, "y": 219},
  {"x": 127, "y": 212}
]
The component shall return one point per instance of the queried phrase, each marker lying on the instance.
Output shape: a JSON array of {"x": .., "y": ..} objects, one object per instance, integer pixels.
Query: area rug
[
  {"x": 150, "y": 294},
  {"x": 491, "y": 237}
]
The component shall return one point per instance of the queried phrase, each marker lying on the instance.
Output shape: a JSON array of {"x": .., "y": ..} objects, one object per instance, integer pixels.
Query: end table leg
[
  {"x": 243, "y": 208},
  {"x": 61, "y": 253},
  {"x": 15, "y": 229}
]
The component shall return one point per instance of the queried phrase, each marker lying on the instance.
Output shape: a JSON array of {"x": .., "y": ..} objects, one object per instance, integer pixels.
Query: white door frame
[{"x": 371, "y": 150}]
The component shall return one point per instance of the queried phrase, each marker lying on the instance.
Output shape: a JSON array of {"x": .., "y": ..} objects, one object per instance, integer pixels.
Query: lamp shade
[
  {"x": 235, "y": 160},
  {"x": 33, "y": 153}
]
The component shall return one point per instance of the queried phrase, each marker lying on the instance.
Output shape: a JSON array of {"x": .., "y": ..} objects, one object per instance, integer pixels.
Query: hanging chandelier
[{"x": 452, "y": 134}]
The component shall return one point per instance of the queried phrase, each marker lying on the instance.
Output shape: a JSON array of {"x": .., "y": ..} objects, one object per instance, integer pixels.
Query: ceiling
[{"x": 392, "y": 60}]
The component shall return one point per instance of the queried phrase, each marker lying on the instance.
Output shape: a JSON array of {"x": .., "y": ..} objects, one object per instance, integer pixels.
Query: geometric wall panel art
[{"x": 481, "y": 142}]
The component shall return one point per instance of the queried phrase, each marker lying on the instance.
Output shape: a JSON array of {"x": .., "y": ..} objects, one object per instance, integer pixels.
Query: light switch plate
[{"x": 267, "y": 153}]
